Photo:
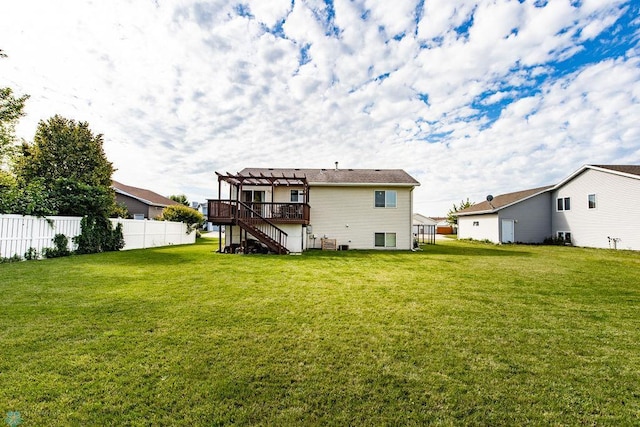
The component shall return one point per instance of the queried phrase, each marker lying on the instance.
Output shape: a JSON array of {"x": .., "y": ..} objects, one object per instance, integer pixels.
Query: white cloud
[{"x": 180, "y": 90}]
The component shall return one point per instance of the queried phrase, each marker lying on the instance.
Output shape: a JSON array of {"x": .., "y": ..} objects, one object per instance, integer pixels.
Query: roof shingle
[
  {"x": 146, "y": 196},
  {"x": 503, "y": 200},
  {"x": 340, "y": 176}
]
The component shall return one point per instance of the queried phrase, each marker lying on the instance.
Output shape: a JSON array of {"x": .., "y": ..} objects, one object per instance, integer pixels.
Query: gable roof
[
  {"x": 630, "y": 171},
  {"x": 503, "y": 201},
  {"x": 626, "y": 169},
  {"x": 419, "y": 219},
  {"x": 147, "y": 197},
  {"x": 392, "y": 177}
]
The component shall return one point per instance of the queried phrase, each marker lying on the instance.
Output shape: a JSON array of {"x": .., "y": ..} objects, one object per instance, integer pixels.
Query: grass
[{"x": 460, "y": 333}]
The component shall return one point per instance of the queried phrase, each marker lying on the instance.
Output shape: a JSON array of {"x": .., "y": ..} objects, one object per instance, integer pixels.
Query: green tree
[
  {"x": 180, "y": 198},
  {"x": 451, "y": 217},
  {"x": 68, "y": 160},
  {"x": 181, "y": 213},
  {"x": 63, "y": 148},
  {"x": 11, "y": 109}
]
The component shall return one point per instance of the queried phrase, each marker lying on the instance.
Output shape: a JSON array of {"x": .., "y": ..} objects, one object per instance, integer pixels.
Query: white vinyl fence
[{"x": 19, "y": 233}]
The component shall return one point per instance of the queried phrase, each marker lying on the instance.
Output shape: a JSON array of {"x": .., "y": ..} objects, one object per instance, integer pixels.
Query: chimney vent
[{"x": 336, "y": 165}]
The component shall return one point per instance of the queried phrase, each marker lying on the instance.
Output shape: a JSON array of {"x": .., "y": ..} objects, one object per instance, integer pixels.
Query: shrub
[
  {"x": 181, "y": 213},
  {"x": 31, "y": 253},
  {"x": 15, "y": 258},
  {"x": 60, "y": 249},
  {"x": 554, "y": 241},
  {"x": 98, "y": 235}
]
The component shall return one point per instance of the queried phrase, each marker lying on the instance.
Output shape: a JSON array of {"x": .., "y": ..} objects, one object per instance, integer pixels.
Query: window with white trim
[
  {"x": 385, "y": 198},
  {"x": 592, "y": 201},
  {"x": 385, "y": 240},
  {"x": 297, "y": 196},
  {"x": 563, "y": 204}
]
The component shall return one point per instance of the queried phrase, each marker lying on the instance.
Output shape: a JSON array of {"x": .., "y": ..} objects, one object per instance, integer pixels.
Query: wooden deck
[{"x": 229, "y": 212}]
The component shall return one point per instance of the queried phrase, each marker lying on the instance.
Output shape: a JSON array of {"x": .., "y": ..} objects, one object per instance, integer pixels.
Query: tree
[
  {"x": 451, "y": 217},
  {"x": 11, "y": 109},
  {"x": 181, "y": 213},
  {"x": 63, "y": 148},
  {"x": 70, "y": 163},
  {"x": 180, "y": 198}
]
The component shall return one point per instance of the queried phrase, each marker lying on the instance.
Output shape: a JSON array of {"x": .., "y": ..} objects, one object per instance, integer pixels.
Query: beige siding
[
  {"x": 348, "y": 215},
  {"x": 487, "y": 227},
  {"x": 617, "y": 212}
]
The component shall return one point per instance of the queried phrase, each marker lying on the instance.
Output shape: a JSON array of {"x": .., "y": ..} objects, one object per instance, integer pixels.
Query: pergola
[{"x": 274, "y": 180}]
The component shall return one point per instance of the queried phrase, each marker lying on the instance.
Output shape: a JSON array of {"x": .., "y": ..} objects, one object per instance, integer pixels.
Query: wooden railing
[
  {"x": 263, "y": 229},
  {"x": 228, "y": 211}
]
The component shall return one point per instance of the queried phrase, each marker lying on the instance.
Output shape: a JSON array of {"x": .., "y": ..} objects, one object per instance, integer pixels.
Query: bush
[
  {"x": 554, "y": 241},
  {"x": 181, "y": 213},
  {"x": 60, "y": 249},
  {"x": 31, "y": 253},
  {"x": 98, "y": 235},
  {"x": 15, "y": 258}
]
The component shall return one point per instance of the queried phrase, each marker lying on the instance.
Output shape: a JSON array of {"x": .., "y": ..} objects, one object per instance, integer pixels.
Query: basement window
[
  {"x": 564, "y": 235},
  {"x": 385, "y": 240}
]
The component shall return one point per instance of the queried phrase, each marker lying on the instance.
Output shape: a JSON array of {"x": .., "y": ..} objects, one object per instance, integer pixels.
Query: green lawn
[{"x": 460, "y": 333}]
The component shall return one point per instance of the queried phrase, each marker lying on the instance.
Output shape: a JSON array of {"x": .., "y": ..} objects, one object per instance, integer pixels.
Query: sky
[{"x": 469, "y": 97}]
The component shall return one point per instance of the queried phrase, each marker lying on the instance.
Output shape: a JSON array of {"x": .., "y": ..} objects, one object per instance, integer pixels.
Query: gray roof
[
  {"x": 503, "y": 200},
  {"x": 147, "y": 197},
  {"x": 394, "y": 177},
  {"x": 628, "y": 169}
]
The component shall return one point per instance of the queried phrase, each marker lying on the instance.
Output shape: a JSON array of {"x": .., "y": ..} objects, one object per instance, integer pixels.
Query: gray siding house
[
  {"x": 522, "y": 216},
  {"x": 140, "y": 203},
  {"x": 597, "y": 206}
]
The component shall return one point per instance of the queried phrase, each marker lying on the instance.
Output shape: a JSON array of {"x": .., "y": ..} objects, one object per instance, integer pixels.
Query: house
[
  {"x": 596, "y": 206},
  {"x": 496, "y": 218},
  {"x": 424, "y": 228},
  {"x": 202, "y": 208},
  {"x": 141, "y": 203},
  {"x": 442, "y": 225},
  {"x": 292, "y": 210}
]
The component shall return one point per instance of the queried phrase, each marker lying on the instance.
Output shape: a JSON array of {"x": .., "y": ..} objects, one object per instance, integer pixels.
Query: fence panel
[{"x": 19, "y": 233}]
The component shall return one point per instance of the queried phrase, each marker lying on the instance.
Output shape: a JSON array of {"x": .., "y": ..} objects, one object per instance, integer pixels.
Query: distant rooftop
[{"x": 145, "y": 196}]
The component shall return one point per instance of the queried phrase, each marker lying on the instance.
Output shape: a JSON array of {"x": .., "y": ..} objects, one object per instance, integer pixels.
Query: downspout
[
  {"x": 219, "y": 204},
  {"x": 411, "y": 220}
]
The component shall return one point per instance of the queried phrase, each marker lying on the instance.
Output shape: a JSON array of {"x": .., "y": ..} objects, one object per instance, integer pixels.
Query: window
[
  {"x": 385, "y": 198},
  {"x": 297, "y": 196},
  {"x": 385, "y": 240},
  {"x": 592, "y": 201},
  {"x": 564, "y": 235},
  {"x": 564, "y": 204}
]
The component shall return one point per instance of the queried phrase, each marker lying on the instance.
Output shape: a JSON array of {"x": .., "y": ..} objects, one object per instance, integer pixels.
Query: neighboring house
[
  {"x": 596, "y": 206},
  {"x": 424, "y": 228},
  {"x": 203, "y": 209},
  {"x": 291, "y": 210},
  {"x": 523, "y": 216},
  {"x": 141, "y": 203},
  {"x": 442, "y": 225}
]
